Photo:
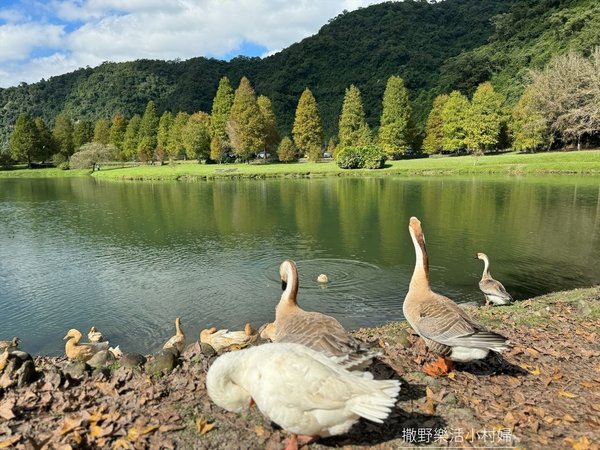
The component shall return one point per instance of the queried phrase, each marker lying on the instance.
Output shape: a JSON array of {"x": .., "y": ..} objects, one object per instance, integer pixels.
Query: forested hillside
[{"x": 434, "y": 47}]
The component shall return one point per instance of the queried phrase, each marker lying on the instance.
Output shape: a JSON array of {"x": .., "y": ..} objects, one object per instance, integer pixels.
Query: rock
[
  {"x": 584, "y": 308},
  {"x": 26, "y": 374},
  {"x": 75, "y": 369},
  {"x": 132, "y": 360},
  {"x": 13, "y": 365},
  {"x": 401, "y": 339},
  {"x": 207, "y": 350},
  {"x": 53, "y": 376},
  {"x": 23, "y": 356},
  {"x": 101, "y": 359},
  {"x": 163, "y": 361},
  {"x": 172, "y": 350},
  {"x": 101, "y": 373}
]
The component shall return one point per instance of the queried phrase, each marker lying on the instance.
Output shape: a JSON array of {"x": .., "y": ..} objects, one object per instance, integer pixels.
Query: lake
[{"x": 129, "y": 257}]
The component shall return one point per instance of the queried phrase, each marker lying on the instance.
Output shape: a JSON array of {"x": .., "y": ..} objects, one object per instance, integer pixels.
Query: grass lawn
[{"x": 582, "y": 162}]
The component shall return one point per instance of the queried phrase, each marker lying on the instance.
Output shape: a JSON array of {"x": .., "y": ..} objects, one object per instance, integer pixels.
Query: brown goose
[
  {"x": 94, "y": 335},
  {"x": 493, "y": 290},
  {"x": 313, "y": 329},
  {"x": 178, "y": 341},
  {"x": 10, "y": 345},
  {"x": 446, "y": 329},
  {"x": 81, "y": 352}
]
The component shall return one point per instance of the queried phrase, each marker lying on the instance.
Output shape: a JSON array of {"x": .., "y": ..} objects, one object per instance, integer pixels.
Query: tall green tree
[
  {"x": 433, "y": 131},
  {"x": 117, "y": 133},
  {"x": 24, "y": 141},
  {"x": 217, "y": 150},
  {"x": 147, "y": 133},
  {"x": 83, "y": 132},
  {"x": 196, "y": 136},
  {"x": 286, "y": 151},
  {"x": 245, "y": 126},
  {"x": 271, "y": 133},
  {"x": 485, "y": 118},
  {"x": 102, "y": 131},
  {"x": 394, "y": 130},
  {"x": 131, "y": 138},
  {"x": 353, "y": 129},
  {"x": 62, "y": 131},
  {"x": 162, "y": 136},
  {"x": 308, "y": 130},
  {"x": 220, "y": 109},
  {"x": 45, "y": 140},
  {"x": 527, "y": 126},
  {"x": 454, "y": 116},
  {"x": 175, "y": 142}
]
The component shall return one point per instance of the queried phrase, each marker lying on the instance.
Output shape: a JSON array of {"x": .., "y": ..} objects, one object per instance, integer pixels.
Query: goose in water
[
  {"x": 94, "y": 335},
  {"x": 446, "y": 328},
  {"x": 315, "y": 330},
  {"x": 178, "y": 341},
  {"x": 81, "y": 352},
  {"x": 222, "y": 339},
  {"x": 301, "y": 390},
  {"x": 493, "y": 290}
]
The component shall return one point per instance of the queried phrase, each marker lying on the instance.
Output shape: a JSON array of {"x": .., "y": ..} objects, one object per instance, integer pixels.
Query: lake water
[{"x": 130, "y": 257}]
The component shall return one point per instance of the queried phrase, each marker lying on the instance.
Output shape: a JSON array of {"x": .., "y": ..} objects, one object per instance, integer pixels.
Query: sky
[{"x": 43, "y": 38}]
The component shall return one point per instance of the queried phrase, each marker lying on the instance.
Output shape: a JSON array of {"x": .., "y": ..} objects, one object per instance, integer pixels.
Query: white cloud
[{"x": 124, "y": 30}]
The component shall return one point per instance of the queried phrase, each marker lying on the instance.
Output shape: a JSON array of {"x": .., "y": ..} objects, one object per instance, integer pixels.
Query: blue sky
[{"x": 43, "y": 38}]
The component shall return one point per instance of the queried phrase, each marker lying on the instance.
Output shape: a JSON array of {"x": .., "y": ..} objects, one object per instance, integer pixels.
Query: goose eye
[{"x": 283, "y": 285}]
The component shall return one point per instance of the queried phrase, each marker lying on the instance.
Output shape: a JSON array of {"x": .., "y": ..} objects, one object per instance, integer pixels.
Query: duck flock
[{"x": 310, "y": 377}]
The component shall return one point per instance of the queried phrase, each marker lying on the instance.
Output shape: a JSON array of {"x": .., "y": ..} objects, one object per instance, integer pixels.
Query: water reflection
[{"x": 129, "y": 257}]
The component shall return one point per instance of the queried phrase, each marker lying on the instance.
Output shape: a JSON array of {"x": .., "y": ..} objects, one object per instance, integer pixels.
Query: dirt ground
[{"x": 543, "y": 393}]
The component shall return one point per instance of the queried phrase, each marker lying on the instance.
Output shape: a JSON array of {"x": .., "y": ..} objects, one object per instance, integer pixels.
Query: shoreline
[{"x": 544, "y": 391}]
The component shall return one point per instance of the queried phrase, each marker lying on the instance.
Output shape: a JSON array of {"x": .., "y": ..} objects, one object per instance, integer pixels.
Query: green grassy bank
[{"x": 582, "y": 162}]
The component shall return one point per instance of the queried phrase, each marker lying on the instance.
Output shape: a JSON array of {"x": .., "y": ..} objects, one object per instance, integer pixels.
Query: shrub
[{"x": 364, "y": 157}]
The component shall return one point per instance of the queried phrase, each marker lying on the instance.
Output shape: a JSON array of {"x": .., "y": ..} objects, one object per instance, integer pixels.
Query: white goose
[
  {"x": 314, "y": 329},
  {"x": 446, "y": 329},
  {"x": 300, "y": 389},
  {"x": 223, "y": 339},
  {"x": 493, "y": 290}
]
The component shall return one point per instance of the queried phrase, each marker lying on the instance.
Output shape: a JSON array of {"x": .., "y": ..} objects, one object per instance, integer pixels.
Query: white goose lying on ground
[
  {"x": 300, "y": 389},
  {"x": 178, "y": 341},
  {"x": 493, "y": 290},
  {"x": 314, "y": 329},
  {"x": 222, "y": 339},
  {"x": 446, "y": 329}
]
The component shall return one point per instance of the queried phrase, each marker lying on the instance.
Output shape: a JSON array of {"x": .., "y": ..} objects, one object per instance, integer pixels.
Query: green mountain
[{"x": 434, "y": 47}]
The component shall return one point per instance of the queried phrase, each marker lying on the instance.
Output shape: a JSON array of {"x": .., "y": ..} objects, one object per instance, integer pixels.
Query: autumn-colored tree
[
  {"x": 91, "y": 154},
  {"x": 353, "y": 129},
  {"x": 220, "y": 110},
  {"x": 131, "y": 138},
  {"x": 175, "y": 146},
  {"x": 271, "y": 133},
  {"x": 196, "y": 136},
  {"x": 217, "y": 150},
  {"x": 433, "y": 130},
  {"x": 102, "y": 131},
  {"x": 527, "y": 126},
  {"x": 454, "y": 114},
  {"x": 46, "y": 146},
  {"x": 162, "y": 136},
  {"x": 147, "y": 133},
  {"x": 484, "y": 119},
  {"x": 394, "y": 133},
  {"x": 83, "y": 132},
  {"x": 24, "y": 140},
  {"x": 245, "y": 126},
  {"x": 117, "y": 133},
  {"x": 62, "y": 133},
  {"x": 308, "y": 130},
  {"x": 286, "y": 151}
]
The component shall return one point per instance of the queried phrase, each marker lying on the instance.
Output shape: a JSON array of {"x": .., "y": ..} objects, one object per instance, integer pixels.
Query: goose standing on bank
[
  {"x": 446, "y": 329},
  {"x": 81, "y": 352},
  {"x": 493, "y": 290},
  {"x": 301, "y": 390},
  {"x": 178, "y": 341},
  {"x": 318, "y": 331}
]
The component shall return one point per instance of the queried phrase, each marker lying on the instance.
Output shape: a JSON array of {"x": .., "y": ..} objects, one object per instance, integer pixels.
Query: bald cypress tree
[
  {"x": 62, "y": 132},
  {"x": 271, "y": 133},
  {"x": 308, "y": 130},
  {"x": 220, "y": 110},
  {"x": 245, "y": 126},
  {"x": 353, "y": 129},
  {"x": 484, "y": 119},
  {"x": 162, "y": 136},
  {"x": 131, "y": 138},
  {"x": 24, "y": 140},
  {"x": 434, "y": 134},
  {"x": 147, "y": 133},
  {"x": 83, "y": 132},
  {"x": 395, "y": 118},
  {"x": 45, "y": 141},
  {"x": 196, "y": 136},
  {"x": 175, "y": 142},
  {"x": 102, "y": 131},
  {"x": 454, "y": 116},
  {"x": 117, "y": 133}
]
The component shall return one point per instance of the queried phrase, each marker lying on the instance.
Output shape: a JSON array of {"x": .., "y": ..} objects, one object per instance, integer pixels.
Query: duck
[
  {"x": 178, "y": 341},
  {"x": 4, "y": 359},
  {"x": 300, "y": 389},
  {"x": 223, "y": 339},
  {"x": 492, "y": 289},
  {"x": 318, "y": 331},
  {"x": 94, "y": 335},
  {"x": 11, "y": 345},
  {"x": 323, "y": 278},
  {"x": 267, "y": 331},
  {"x": 446, "y": 329},
  {"x": 81, "y": 352}
]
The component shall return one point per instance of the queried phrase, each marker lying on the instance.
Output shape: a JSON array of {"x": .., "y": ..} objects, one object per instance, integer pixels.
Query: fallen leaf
[
  {"x": 259, "y": 430},
  {"x": 69, "y": 424},
  {"x": 567, "y": 394},
  {"x": 121, "y": 443},
  {"x": 6, "y": 443},
  {"x": 6, "y": 409},
  {"x": 596, "y": 406},
  {"x": 568, "y": 418},
  {"x": 203, "y": 426},
  {"x": 582, "y": 443},
  {"x": 532, "y": 352},
  {"x": 587, "y": 384}
]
